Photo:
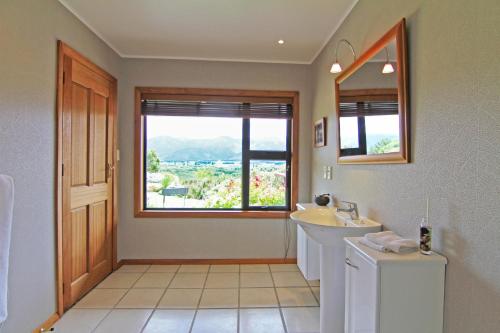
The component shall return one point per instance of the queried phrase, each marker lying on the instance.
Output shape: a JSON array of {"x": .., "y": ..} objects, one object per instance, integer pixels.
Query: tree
[
  {"x": 153, "y": 161},
  {"x": 385, "y": 145}
]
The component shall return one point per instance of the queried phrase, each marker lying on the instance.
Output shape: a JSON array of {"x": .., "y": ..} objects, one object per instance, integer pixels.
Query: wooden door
[{"x": 88, "y": 123}]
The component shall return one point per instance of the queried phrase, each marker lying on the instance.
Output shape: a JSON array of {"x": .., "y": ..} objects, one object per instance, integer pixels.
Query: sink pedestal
[
  {"x": 332, "y": 293},
  {"x": 329, "y": 228}
]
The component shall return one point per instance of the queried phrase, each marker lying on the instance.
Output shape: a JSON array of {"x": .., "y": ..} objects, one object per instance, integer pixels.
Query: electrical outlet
[
  {"x": 325, "y": 172},
  {"x": 330, "y": 172}
]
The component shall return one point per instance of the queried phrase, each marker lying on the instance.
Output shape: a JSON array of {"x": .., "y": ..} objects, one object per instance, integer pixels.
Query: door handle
[
  {"x": 109, "y": 170},
  {"x": 349, "y": 263}
]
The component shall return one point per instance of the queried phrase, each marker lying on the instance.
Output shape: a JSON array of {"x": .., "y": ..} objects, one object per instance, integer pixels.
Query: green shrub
[{"x": 168, "y": 179}]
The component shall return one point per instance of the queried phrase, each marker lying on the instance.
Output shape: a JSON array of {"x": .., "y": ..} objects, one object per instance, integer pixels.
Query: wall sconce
[
  {"x": 336, "y": 68},
  {"x": 388, "y": 68}
]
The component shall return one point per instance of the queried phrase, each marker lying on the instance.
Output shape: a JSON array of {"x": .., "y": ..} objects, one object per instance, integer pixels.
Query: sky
[
  {"x": 375, "y": 125},
  {"x": 207, "y": 128}
]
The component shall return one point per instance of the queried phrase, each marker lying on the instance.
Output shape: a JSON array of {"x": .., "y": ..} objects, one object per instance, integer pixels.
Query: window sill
[{"x": 213, "y": 214}]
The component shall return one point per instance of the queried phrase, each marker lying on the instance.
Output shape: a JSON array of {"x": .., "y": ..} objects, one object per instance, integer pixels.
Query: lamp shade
[
  {"x": 336, "y": 68},
  {"x": 388, "y": 68}
]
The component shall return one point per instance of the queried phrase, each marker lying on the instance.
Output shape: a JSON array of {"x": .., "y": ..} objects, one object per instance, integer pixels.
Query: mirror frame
[{"x": 403, "y": 156}]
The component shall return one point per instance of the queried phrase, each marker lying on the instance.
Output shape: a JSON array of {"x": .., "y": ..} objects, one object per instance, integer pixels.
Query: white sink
[{"x": 329, "y": 227}]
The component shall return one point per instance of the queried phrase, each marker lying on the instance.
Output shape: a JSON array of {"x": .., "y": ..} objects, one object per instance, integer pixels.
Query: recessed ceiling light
[{"x": 281, "y": 41}]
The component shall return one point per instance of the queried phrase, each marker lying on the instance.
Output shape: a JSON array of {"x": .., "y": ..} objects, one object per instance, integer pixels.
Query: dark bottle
[
  {"x": 425, "y": 237},
  {"x": 322, "y": 199}
]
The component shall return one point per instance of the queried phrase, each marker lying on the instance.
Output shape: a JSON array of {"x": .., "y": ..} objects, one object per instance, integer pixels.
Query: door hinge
[
  {"x": 62, "y": 170},
  {"x": 64, "y": 77}
]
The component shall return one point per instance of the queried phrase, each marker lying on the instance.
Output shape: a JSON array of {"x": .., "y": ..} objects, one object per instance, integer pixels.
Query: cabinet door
[
  {"x": 361, "y": 294},
  {"x": 313, "y": 258},
  {"x": 307, "y": 255},
  {"x": 302, "y": 250}
]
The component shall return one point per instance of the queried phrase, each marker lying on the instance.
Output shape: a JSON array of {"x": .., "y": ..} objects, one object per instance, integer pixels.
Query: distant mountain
[{"x": 220, "y": 148}]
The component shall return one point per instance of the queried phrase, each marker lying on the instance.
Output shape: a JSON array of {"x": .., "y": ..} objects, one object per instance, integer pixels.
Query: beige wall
[
  {"x": 28, "y": 34},
  {"x": 454, "y": 87},
  {"x": 205, "y": 238}
]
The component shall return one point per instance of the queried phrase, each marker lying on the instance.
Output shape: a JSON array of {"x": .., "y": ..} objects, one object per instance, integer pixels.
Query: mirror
[{"x": 371, "y": 100}]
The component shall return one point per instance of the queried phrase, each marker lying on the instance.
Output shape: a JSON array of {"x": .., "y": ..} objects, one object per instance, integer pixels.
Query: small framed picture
[{"x": 320, "y": 133}]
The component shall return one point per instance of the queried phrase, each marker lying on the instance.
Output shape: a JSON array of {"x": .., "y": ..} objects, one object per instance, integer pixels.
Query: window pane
[
  {"x": 349, "y": 133},
  {"x": 382, "y": 134},
  {"x": 267, "y": 183},
  {"x": 193, "y": 162},
  {"x": 268, "y": 134}
]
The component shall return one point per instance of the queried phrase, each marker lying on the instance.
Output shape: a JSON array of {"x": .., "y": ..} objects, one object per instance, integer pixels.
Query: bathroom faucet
[{"x": 352, "y": 210}]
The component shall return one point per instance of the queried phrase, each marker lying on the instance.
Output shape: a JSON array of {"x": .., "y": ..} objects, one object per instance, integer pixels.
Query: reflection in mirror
[{"x": 369, "y": 120}]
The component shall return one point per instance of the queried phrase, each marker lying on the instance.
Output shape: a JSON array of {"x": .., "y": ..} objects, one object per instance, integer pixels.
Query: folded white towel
[
  {"x": 402, "y": 245},
  {"x": 6, "y": 207},
  {"x": 382, "y": 238},
  {"x": 372, "y": 245},
  {"x": 391, "y": 241}
]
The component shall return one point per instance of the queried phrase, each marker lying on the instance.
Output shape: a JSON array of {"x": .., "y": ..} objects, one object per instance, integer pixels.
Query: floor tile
[
  {"x": 140, "y": 299},
  {"x": 284, "y": 268},
  {"x": 194, "y": 268},
  {"x": 222, "y": 280},
  {"x": 170, "y": 321},
  {"x": 258, "y": 298},
  {"x": 101, "y": 299},
  {"x": 124, "y": 321},
  {"x": 313, "y": 283},
  {"x": 225, "y": 268},
  {"x": 188, "y": 280},
  {"x": 180, "y": 299},
  {"x": 315, "y": 291},
  {"x": 163, "y": 268},
  {"x": 296, "y": 297},
  {"x": 80, "y": 320},
  {"x": 248, "y": 280},
  {"x": 254, "y": 268},
  {"x": 289, "y": 279},
  {"x": 301, "y": 320},
  {"x": 219, "y": 298},
  {"x": 133, "y": 268},
  {"x": 154, "y": 280},
  {"x": 261, "y": 321},
  {"x": 119, "y": 280},
  {"x": 216, "y": 321}
]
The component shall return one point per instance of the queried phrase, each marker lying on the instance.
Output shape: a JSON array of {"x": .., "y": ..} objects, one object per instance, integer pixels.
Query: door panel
[
  {"x": 98, "y": 234},
  {"x": 88, "y": 161},
  {"x": 100, "y": 138},
  {"x": 79, "y": 134},
  {"x": 79, "y": 264}
]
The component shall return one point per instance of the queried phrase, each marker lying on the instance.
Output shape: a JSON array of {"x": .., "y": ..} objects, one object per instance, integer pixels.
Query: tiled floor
[{"x": 198, "y": 299}]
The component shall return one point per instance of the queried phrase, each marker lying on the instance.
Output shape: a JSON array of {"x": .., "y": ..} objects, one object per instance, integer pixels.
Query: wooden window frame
[{"x": 221, "y": 95}]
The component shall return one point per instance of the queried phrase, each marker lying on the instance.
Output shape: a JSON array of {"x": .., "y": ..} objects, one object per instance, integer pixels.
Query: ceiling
[{"x": 224, "y": 30}]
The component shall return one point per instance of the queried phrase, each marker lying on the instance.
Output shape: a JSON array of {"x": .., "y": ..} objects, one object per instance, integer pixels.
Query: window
[
  {"x": 212, "y": 153},
  {"x": 369, "y": 122}
]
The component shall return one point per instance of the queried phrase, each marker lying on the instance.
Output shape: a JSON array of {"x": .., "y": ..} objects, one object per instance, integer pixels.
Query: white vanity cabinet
[
  {"x": 392, "y": 293},
  {"x": 307, "y": 250}
]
